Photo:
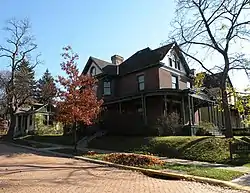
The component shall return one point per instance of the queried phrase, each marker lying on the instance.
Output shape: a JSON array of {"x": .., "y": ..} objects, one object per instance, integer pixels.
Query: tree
[
  {"x": 46, "y": 88},
  {"x": 4, "y": 79},
  {"x": 24, "y": 81},
  {"x": 78, "y": 101},
  {"x": 215, "y": 27},
  {"x": 17, "y": 49}
]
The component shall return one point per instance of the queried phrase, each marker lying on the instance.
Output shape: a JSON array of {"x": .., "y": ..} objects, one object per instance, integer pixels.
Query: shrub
[
  {"x": 169, "y": 125},
  {"x": 133, "y": 159},
  {"x": 41, "y": 129},
  {"x": 205, "y": 128}
]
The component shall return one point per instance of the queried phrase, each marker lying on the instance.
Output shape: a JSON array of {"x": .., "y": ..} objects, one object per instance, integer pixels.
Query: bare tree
[
  {"x": 17, "y": 50},
  {"x": 214, "y": 27},
  {"x": 4, "y": 79}
]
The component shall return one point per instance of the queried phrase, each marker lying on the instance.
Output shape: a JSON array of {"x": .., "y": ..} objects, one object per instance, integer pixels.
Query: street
[{"x": 24, "y": 171}]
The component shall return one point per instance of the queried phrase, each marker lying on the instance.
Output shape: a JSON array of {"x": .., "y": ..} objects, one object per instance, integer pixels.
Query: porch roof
[{"x": 165, "y": 91}]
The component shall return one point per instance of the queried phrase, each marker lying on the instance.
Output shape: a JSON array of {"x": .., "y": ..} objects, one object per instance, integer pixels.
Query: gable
[
  {"x": 174, "y": 63},
  {"x": 94, "y": 68}
]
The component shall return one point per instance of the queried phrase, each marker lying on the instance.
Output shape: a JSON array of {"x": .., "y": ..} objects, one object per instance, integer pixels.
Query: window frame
[
  {"x": 170, "y": 62},
  {"x": 140, "y": 82},
  {"x": 107, "y": 88},
  {"x": 176, "y": 83},
  {"x": 92, "y": 69}
]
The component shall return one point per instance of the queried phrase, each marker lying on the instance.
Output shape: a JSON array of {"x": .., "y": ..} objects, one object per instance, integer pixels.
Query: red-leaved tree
[{"x": 78, "y": 101}]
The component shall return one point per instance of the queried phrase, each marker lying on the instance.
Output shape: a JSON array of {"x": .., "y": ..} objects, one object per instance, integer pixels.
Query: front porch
[{"x": 146, "y": 108}]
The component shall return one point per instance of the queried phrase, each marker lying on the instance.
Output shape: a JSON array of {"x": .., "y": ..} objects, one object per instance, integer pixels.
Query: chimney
[{"x": 116, "y": 59}]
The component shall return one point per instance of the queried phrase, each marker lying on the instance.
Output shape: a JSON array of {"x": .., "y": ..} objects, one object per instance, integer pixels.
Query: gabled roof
[
  {"x": 141, "y": 59},
  {"x": 147, "y": 57},
  {"x": 104, "y": 66}
]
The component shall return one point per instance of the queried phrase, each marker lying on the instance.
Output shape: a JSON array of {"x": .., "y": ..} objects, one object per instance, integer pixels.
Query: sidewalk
[{"x": 168, "y": 160}]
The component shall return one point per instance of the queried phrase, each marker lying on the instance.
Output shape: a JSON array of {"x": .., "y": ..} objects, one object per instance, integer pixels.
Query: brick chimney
[{"x": 116, "y": 59}]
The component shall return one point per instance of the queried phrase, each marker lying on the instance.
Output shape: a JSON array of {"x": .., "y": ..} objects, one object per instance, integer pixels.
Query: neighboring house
[
  {"x": 212, "y": 113},
  {"x": 29, "y": 119},
  {"x": 146, "y": 86}
]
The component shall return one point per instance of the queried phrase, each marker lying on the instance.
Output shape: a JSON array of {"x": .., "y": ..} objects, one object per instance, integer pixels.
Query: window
[
  {"x": 107, "y": 88},
  {"x": 140, "y": 80},
  {"x": 175, "y": 82},
  {"x": 170, "y": 62},
  {"x": 93, "y": 71},
  {"x": 178, "y": 65},
  {"x": 45, "y": 119},
  {"x": 188, "y": 85}
]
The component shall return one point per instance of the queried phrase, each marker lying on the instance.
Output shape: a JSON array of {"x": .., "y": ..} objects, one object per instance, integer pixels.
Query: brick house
[{"x": 147, "y": 85}]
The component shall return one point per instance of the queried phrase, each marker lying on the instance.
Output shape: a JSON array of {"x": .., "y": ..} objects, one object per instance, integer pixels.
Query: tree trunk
[
  {"x": 75, "y": 137},
  {"x": 11, "y": 130},
  {"x": 227, "y": 114}
]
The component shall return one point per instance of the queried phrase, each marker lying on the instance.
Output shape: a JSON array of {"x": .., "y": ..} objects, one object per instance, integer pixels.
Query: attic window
[
  {"x": 170, "y": 62},
  {"x": 93, "y": 71}
]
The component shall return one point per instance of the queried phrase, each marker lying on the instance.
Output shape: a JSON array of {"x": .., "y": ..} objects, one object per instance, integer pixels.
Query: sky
[{"x": 92, "y": 28}]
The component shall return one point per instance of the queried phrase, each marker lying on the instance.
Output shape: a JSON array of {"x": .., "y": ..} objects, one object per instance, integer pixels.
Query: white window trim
[
  {"x": 107, "y": 89},
  {"x": 140, "y": 83},
  {"x": 176, "y": 83}
]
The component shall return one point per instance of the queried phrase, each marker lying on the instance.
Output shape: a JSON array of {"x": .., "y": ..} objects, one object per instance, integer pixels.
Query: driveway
[{"x": 24, "y": 171}]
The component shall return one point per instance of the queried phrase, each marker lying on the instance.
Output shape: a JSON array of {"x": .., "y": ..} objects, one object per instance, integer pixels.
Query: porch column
[
  {"x": 212, "y": 112},
  {"x": 208, "y": 111},
  {"x": 217, "y": 114},
  {"x": 199, "y": 114},
  {"x": 189, "y": 111},
  {"x": 192, "y": 107},
  {"x": 183, "y": 110},
  {"x": 16, "y": 126},
  {"x": 165, "y": 105}
]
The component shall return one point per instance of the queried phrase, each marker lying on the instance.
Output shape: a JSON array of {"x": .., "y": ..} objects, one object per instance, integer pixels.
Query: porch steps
[
  {"x": 85, "y": 140},
  {"x": 216, "y": 133}
]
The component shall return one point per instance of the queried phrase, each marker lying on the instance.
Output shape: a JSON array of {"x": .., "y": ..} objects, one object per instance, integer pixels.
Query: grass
[
  {"x": 209, "y": 172},
  {"x": 202, "y": 171},
  {"x": 210, "y": 149},
  {"x": 247, "y": 165}
]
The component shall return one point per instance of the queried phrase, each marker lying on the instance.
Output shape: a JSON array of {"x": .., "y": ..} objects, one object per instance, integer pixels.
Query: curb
[{"x": 149, "y": 172}]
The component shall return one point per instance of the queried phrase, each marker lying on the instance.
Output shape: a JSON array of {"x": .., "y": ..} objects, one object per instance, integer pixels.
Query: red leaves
[
  {"x": 78, "y": 98},
  {"x": 133, "y": 159}
]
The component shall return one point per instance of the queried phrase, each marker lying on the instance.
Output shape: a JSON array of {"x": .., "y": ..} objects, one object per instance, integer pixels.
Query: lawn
[{"x": 211, "y": 149}]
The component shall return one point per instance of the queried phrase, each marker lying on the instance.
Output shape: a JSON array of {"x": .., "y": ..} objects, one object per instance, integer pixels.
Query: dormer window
[
  {"x": 170, "y": 62},
  {"x": 177, "y": 64},
  {"x": 93, "y": 71}
]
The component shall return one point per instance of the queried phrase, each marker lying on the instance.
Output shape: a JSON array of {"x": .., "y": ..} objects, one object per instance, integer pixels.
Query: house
[
  {"x": 36, "y": 116},
  {"x": 149, "y": 84},
  {"x": 213, "y": 114}
]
